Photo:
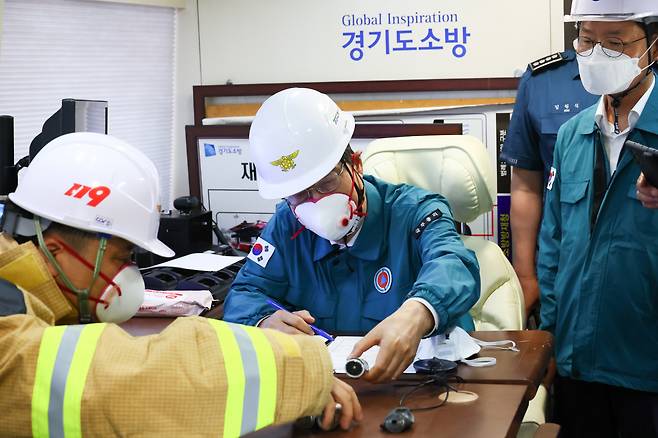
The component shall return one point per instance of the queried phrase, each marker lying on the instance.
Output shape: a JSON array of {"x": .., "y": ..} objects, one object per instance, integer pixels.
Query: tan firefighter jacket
[{"x": 198, "y": 377}]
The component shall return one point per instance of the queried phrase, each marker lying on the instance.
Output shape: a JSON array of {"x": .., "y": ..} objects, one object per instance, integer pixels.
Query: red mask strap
[
  {"x": 358, "y": 211},
  {"x": 297, "y": 233},
  {"x": 105, "y": 304},
  {"x": 79, "y": 258},
  {"x": 356, "y": 159}
]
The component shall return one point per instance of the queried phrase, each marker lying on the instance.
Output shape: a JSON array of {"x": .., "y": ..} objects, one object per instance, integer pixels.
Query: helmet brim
[
  {"x": 644, "y": 17},
  {"x": 157, "y": 247}
]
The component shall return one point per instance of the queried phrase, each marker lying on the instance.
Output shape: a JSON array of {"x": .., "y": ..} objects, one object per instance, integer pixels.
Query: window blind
[{"x": 122, "y": 53}]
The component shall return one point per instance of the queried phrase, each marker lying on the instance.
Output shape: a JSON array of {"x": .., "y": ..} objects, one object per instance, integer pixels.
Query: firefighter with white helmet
[
  {"x": 345, "y": 251},
  {"x": 598, "y": 257},
  {"x": 83, "y": 203}
]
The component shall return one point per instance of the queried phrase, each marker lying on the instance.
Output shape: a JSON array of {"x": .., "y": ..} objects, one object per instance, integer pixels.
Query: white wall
[
  {"x": 189, "y": 59},
  {"x": 188, "y": 74},
  {"x": 257, "y": 41},
  {"x": 206, "y": 62},
  {"x": 164, "y": 3}
]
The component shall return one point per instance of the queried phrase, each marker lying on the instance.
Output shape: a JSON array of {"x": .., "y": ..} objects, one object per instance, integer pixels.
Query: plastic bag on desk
[{"x": 175, "y": 302}]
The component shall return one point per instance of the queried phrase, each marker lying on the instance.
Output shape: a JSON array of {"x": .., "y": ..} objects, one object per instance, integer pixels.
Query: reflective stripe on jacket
[{"x": 198, "y": 377}]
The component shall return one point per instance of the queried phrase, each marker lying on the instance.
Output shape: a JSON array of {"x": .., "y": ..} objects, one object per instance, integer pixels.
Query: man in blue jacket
[
  {"x": 347, "y": 252},
  {"x": 598, "y": 260},
  {"x": 549, "y": 94}
]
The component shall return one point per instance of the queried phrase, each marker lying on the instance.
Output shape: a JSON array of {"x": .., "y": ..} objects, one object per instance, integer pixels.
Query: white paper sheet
[
  {"x": 342, "y": 346},
  {"x": 200, "y": 262}
]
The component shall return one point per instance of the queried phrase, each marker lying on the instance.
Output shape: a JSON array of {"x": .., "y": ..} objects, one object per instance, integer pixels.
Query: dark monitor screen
[{"x": 75, "y": 115}]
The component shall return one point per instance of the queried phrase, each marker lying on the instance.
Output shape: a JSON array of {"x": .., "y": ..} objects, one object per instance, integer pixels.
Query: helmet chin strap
[
  {"x": 617, "y": 98},
  {"x": 360, "y": 196},
  {"x": 82, "y": 294}
]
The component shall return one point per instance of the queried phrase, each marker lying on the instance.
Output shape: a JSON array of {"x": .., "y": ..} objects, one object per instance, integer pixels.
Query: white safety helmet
[
  {"x": 96, "y": 183},
  {"x": 296, "y": 138},
  {"x": 613, "y": 10}
]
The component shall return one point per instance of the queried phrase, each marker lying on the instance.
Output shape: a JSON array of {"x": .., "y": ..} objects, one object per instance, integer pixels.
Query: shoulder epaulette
[{"x": 546, "y": 61}]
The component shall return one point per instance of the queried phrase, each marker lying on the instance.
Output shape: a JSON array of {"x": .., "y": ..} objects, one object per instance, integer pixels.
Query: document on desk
[
  {"x": 457, "y": 346},
  {"x": 342, "y": 346},
  {"x": 200, "y": 262}
]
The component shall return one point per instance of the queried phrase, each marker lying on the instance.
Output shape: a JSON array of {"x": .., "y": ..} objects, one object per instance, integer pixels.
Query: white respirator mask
[
  {"x": 121, "y": 299},
  {"x": 330, "y": 217},
  {"x": 603, "y": 75}
]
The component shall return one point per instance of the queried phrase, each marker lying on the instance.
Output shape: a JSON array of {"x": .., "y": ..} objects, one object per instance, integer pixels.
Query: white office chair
[{"x": 457, "y": 166}]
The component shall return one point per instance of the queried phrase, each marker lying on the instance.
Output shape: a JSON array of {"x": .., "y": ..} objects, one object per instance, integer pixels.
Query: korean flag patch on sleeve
[
  {"x": 551, "y": 178},
  {"x": 261, "y": 252}
]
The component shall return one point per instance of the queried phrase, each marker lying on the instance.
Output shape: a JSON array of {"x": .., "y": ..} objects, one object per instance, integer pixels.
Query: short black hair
[{"x": 652, "y": 30}]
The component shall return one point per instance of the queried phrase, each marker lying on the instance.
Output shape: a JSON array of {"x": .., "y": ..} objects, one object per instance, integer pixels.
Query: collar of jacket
[
  {"x": 572, "y": 67},
  {"x": 24, "y": 266},
  {"x": 369, "y": 244},
  {"x": 647, "y": 121}
]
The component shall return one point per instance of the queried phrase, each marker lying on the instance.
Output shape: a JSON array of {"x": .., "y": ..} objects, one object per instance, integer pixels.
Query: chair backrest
[{"x": 457, "y": 167}]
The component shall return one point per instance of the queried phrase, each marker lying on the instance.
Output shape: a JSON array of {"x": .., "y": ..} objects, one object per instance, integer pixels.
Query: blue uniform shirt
[
  {"x": 599, "y": 286},
  {"x": 353, "y": 289},
  {"x": 545, "y": 100}
]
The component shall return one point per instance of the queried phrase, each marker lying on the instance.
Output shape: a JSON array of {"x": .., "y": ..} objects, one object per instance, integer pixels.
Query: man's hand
[
  {"x": 530, "y": 286},
  {"x": 398, "y": 337},
  {"x": 293, "y": 323},
  {"x": 343, "y": 394},
  {"x": 646, "y": 193}
]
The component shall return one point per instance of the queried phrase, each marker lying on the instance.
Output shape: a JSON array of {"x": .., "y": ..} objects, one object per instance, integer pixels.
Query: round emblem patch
[
  {"x": 257, "y": 249},
  {"x": 383, "y": 279}
]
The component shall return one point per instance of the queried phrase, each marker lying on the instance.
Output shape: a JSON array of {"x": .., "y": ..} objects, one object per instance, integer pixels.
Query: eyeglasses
[
  {"x": 612, "y": 47},
  {"x": 326, "y": 185}
]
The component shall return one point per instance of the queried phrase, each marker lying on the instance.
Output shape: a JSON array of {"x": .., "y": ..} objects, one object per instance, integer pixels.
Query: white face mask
[
  {"x": 119, "y": 308},
  {"x": 330, "y": 217},
  {"x": 601, "y": 74},
  {"x": 458, "y": 346}
]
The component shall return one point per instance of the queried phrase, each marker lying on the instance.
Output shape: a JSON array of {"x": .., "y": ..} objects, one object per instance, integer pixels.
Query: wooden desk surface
[
  {"x": 496, "y": 413},
  {"x": 524, "y": 367},
  {"x": 528, "y": 366},
  {"x": 503, "y": 390}
]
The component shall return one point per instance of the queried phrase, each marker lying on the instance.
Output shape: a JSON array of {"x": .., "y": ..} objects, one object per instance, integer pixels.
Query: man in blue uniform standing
[
  {"x": 348, "y": 252},
  {"x": 598, "y": 252},
  {"x": 549, "y": 94}
]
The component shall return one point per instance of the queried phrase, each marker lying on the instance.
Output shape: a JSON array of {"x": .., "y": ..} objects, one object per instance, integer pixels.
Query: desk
[
  {"x": 526, "y": 367},
  {"x": 142, "y": 326},
  {"x": 504, "y": 391},
  {"x": 496, "y": 413}
]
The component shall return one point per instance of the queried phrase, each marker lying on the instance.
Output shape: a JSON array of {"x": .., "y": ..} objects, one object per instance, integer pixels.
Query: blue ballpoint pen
[{"x": 317, "y": 331}]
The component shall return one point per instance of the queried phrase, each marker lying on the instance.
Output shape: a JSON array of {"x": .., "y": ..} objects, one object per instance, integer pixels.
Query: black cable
[{"x": 441, "y": 380}]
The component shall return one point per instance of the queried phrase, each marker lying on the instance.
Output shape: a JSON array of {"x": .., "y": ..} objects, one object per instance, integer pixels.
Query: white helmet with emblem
[
  {"x": 96, "y": 183},
  {"x": 613, "y": 10},
  {"x": 296, "y": 138}
]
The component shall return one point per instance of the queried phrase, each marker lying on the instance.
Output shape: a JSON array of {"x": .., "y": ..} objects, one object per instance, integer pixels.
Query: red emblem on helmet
[{"x": 96, "y": 195}]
